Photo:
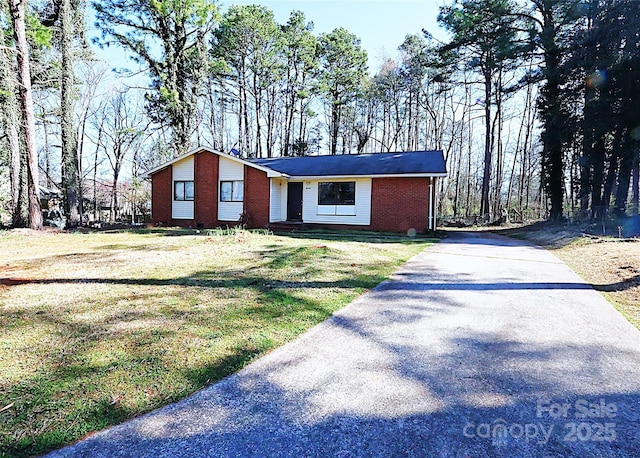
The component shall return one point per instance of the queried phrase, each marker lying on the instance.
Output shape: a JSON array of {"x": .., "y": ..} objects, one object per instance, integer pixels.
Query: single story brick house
[{"x": 380, "y": 192}]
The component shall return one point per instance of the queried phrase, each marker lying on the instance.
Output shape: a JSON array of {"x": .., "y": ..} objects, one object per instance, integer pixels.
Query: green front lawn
[{"x": 101, "y": 327}]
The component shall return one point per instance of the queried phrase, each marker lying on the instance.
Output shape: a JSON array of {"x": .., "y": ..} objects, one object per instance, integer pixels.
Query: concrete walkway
[{"x": 480, "y": 346}]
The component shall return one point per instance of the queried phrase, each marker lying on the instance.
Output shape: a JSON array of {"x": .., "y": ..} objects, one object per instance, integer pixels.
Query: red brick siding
[
  {"x": 206, "y": 166},
  {"x": 256, "y": 197},
  {"x": 161, "y": 197},
  {"x": 400, "y": 204}
]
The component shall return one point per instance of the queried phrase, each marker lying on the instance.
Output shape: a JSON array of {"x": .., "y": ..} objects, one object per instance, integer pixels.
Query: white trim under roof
[
  {"x": 270, "y": 172},
  {"x": 342, "y": 177}
]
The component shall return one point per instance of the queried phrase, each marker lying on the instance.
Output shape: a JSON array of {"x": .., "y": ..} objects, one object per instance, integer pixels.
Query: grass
[
  {"x": 610, "y": 263},
  {"x": 101, "y": 327}
]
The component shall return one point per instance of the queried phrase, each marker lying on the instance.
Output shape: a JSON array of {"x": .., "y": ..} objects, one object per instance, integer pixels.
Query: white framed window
[
  {"x": 183, "y": 190},
  {"x": 337, "y": 193},
  {"x": 232, "y": 191}
]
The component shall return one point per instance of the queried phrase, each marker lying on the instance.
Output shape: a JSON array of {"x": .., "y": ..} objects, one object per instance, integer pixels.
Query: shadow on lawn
[
  {"x": 363, "y": 281},
  {"x": 259, "y": 283},
  {"x": 619, "y": 286}
]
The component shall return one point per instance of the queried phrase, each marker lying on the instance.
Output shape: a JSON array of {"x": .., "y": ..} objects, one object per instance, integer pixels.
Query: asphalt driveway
[{"x": 479, "y": 346}]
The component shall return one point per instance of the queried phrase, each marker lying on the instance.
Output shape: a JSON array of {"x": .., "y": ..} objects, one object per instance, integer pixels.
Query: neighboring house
[{"x": 379, "y": 192}]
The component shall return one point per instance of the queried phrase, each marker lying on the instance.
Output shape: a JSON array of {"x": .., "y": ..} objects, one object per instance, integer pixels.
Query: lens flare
[{"x": 597, "y": 78}]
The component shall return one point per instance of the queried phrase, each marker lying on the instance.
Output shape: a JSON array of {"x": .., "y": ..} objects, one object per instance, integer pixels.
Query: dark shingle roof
[{"x": 405, "y": 163}]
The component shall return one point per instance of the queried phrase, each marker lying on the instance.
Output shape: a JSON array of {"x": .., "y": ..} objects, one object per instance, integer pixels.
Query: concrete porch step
[{"x": 287, "y": 226}]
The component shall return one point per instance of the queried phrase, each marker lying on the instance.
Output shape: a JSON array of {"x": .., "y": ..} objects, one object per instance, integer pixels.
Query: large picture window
[
  {"x": 183, "y": 190},
  {"x": 231, "y": 191},
  {"x": 337, "y": 193}
]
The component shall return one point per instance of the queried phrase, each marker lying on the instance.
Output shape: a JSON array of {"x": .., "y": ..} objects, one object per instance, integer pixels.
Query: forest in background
[{"x": 535, "y": 103}]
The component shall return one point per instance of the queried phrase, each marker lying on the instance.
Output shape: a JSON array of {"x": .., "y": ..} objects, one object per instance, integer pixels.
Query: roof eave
[{"x": 384, "y": 175}]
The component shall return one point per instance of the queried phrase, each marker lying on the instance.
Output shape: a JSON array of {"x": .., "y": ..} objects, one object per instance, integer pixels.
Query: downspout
[
  {"x": 195, "y": 195},
  {"x": 435, "y": 205},
  {"x": 430, "y": 204}
]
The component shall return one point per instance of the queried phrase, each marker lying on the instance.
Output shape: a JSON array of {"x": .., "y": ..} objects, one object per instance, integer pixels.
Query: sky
[{"x": 381, "y": 25}]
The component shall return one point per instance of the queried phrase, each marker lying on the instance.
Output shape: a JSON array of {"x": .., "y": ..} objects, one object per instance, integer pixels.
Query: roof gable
[
  {"x": 399, "y": 163},
  {"x": 268, "y": 171}
]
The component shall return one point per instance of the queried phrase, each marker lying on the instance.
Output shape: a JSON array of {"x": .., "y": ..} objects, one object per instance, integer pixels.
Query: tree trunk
[
  {"x": 583, "y": 161},
  {"x": 609, "y": 183},
  {"x": 9, "y": 115},
  {"x": 335, "y": 122},
  {"x": 497, "y": 127},
  {"x": 636, "y": 181},
  {"x": 552, "y": 156},
  {"x": 241, "y": 144},
  {"x": 288, "y": 109},
  {"x": 467, "y": 206},
  {"x": 17, "y": 8},
  {"x": 95, "y": 178},
  {"x": 70, "y": 172},
  {"x": 247, "y": 133},
  {"x": 615, "y": 168},
  {"x": 597, "y": 169},
  {"x": 486, "y": 177},
  {"x": 624, "y": 178},
  {"x": 588, "y": 133},
  {"x": 19, "y": 204},
  {"x": 257, "y": 97},
  {"x": 221, "y": 145},
  {"x": 47, "y": 153},
  {"x": 113, "y": 213}
]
